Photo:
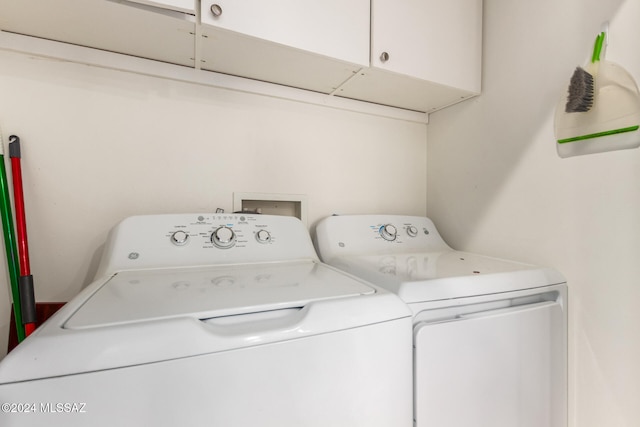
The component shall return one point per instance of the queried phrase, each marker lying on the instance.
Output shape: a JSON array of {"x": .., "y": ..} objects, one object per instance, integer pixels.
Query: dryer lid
[
  {"x": 208, "y": 292},
  {"x": 432, "y": 276}
]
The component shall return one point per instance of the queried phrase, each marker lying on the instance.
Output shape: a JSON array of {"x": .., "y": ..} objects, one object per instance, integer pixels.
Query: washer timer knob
[
  {"x": 179, "y": 238},
  {"x": 412, "y": 231},
  {"x": 263, "y": 236},
  {"x": 388, "y": 232},
  {"x": 223, "y": 237}
]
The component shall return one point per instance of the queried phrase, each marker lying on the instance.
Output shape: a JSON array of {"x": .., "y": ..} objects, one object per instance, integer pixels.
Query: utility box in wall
[{"x": 272, "y": 204}]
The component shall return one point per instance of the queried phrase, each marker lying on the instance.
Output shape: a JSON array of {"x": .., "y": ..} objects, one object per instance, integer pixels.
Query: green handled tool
[{"x": 10, "y": 244}]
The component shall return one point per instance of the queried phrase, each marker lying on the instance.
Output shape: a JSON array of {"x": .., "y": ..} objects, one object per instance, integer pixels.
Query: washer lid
[
  {"x": 431, "y": 276},
  {"x": 202, "y": 293},
  {"x": 140, "y": 317}
]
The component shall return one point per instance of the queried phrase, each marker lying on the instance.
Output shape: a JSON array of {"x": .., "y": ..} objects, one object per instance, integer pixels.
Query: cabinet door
[
  {"x": 425, "y": 54},
  {"x": 186, "y": 6},
  {"x": 155, "y": 29},
  {"x": 434, "y": 40},
  {"x": 333, "y": 28},
  {"x": 309, "y": 44}
]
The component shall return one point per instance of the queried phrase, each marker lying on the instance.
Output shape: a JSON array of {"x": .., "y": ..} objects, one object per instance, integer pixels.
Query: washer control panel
[
  {"x": 224, "y": 231},
  {"x": 204, "y": 239}
]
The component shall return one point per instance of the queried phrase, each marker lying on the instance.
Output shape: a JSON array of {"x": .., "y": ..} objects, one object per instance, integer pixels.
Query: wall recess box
[{"x": 272, "y": 204}]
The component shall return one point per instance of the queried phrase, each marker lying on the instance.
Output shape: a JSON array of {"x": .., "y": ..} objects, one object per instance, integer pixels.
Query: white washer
[
  {"x": 222, "y": 320},
  {"x": 490, "y": 335}
]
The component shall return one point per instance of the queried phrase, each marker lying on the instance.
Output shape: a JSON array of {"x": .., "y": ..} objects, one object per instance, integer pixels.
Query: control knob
[
  {"x": 263, "y": 236},
  {"x": 388, "y": 232},
  {"x": 223, "y": 237},
  {"x": 412, "y": 231},
  {"x": 179, "y": 238}
]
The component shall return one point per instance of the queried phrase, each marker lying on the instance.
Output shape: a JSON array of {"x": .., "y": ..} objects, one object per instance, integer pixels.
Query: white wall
[
  {"x": 99, "y": 145},
  {"x": 497, "y": 186}
]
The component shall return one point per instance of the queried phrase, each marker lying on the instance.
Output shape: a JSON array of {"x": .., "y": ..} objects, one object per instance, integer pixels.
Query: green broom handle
[{"x": 10, "y": 246}]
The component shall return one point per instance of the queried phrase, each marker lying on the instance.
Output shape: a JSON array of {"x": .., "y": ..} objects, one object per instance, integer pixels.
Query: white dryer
[
  {"x": 219, "y": 320},
  {"x": 490, "y": 336}
]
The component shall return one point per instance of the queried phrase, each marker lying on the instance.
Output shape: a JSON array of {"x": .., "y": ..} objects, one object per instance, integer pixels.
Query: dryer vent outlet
[{"x": 272, "y": 204}]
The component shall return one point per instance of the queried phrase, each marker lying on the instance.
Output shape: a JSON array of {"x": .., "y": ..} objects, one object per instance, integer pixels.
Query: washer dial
[
  {"x": 412, "y": 231},
  {"x": 179, "y": 238},
  {"x": 223, "y": 237},
  {"x": 263, "y": 236},
  {"x": 388, "y": 232}
]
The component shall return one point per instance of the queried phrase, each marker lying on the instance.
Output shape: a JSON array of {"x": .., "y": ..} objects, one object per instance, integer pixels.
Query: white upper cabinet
[
  {"x": 425, "y": 54},
  {"x": 309, "y": 44},
  {"x": 418, "y": 55},
  {"x": 162, "y": 30}
]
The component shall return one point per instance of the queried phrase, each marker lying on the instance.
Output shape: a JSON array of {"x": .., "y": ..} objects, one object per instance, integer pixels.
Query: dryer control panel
[
  {"x": 377, "y": 234},
  {"x": 183, "y": 240}
]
